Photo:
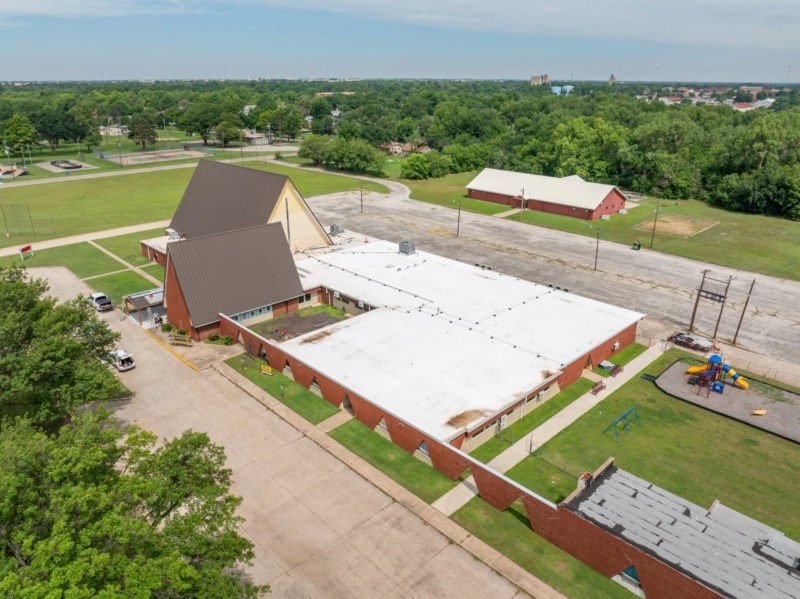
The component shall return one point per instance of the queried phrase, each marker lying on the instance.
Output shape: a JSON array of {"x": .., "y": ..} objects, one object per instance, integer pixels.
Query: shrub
[
  {"x": 278, "y": 156},
  {"x": 180, "y": 332},
  {"x": 166, "y": 327},
  {"x": 213, "y": 337},
  {"x": 227, "y": 340}
]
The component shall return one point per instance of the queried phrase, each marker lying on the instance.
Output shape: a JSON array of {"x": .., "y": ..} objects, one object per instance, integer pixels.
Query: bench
[
  {"x": 616, "y": 370},
  {"x": 598, "y": 387},
  {"x": 266, "y": 369},
  {"x": 175, "y": 339}
]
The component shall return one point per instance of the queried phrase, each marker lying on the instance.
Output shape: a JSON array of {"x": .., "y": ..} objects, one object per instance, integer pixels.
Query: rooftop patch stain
[
  {"x": 316, "y": 337},
  {"x": 464, "y": 418}
]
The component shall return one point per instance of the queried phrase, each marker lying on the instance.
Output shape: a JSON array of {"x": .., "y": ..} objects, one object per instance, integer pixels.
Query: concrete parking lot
[
  {"x": 320, "y": 528},
  {"x": 659, "y": 285}
]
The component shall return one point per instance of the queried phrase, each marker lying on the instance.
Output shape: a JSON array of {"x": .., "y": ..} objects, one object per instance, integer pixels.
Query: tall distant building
[
  {"x": 540, "y": 79},
  {"x": 612, "y": 80}
]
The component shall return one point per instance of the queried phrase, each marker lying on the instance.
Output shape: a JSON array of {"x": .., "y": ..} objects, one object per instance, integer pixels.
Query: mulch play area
[
  {"x": 297, "y": 323},
  {"x": 782, "y": 407}
]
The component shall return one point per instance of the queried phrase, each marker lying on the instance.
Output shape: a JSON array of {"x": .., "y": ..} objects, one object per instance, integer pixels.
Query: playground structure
[{"x": 710, "y": 376}]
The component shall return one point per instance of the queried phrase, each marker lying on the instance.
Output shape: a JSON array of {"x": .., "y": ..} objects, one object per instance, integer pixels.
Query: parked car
[
  {"x": 101, "y": 302},
  {"x": 691, "y": 341},
  {"x": 121, "y": 360}
]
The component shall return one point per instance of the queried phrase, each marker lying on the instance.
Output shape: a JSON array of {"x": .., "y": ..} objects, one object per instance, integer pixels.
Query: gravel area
[{"x": 783, "y": 407}]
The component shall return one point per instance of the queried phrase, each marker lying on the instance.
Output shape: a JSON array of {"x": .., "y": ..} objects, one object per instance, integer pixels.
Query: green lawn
[
  {"x": 744, "y": 241},
  {"x": 120, "y": 284},
  {"x": 81, "y": 258},
  {"x": 127, "y": 247},
  {"x": 83, "y": 206},
  {"x": 492, "y": 448},
  {"x": 155, "y": 270},
  {"x": 88, "y": 205},
  {"x": 313, "y": 183},
  {"x": 306, "y": 403},
  {"x": 694, "y": 453},
  {"x": 510, "y": 534},
  {"x": 623, "y": 357},
  {"x": 449, "y": 191},
  {"x": 424, "y": 481}
]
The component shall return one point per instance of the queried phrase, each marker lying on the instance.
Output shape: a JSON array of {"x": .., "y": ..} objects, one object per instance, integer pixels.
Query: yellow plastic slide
[{"x": 697, "y": 369}]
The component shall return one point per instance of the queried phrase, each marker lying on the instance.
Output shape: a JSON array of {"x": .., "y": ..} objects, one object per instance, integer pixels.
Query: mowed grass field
[
  {"x": 79, "y": 206},
  {"x": 694, "y": 453},
  {"x": 762, "y": 244}
]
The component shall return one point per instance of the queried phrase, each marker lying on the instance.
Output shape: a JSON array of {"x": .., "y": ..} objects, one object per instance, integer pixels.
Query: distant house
[
  {"x": 742, "y": 106},
  {"x": 423, "y": 149},
  {"x": 569, "y": 196}
]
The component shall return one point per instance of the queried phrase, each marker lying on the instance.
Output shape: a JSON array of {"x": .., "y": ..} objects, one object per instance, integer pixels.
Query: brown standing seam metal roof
[
  {"x": 222, "y": 197},
  {"x": 234, "y": 272}
]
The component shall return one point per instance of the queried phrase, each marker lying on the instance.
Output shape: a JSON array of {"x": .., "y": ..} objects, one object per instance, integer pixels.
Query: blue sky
[{"x": 685, "y": 40}]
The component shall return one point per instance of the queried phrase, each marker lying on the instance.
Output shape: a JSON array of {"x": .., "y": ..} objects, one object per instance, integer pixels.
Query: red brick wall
[
  {"x": 177, "y": 312},
  {"x": 152, "y": 254},
  {"x": 604, "y": 351},
  {"x": 609, "y": 554},
  {"x": 493, "y": 489},
  {"x": 611, "y": 204}
]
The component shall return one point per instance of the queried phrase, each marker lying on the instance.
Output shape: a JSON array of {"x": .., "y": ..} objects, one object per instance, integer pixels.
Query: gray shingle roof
[
  {"x": 718, "y": 547},
  {"x": 223, "y": 197},
  {"x": 234, "y": 272}
]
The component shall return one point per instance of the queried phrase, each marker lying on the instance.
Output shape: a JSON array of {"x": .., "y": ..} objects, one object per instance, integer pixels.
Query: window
[
  {"x": 304, "y": 298},
  {"x": 423, "y": 448}
]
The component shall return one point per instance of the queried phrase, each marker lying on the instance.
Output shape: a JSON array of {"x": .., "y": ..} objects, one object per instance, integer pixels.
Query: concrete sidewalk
[
  {"x": 460, "y": 495},
  {"x": 59, "y": 241}
]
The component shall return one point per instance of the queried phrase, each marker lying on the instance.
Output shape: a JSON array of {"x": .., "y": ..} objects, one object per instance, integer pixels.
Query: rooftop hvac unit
[
  {"x": 337, "y": 229},
  {"x": 407, "y": 247}
]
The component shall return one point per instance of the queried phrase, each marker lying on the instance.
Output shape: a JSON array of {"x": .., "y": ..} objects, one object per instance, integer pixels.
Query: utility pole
[
  {"x": 741, "y": 318},
  {"x": 596, "y": 250},
  {"x": 697, "y": 301},
  {"x": 653, "y": 234},
  {"x": 722, "y": 307},
  {"x": 458, "y": 222}
]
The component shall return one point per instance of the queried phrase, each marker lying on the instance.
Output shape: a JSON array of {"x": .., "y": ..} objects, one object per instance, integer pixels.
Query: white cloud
[{"x": 765, "y": 24}]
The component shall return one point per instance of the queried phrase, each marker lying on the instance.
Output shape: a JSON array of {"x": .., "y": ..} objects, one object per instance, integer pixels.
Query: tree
[
  {"x": 439, "y": 165},
  {"x": 313, "y": 148},
  {"x": 414, "y": 167},
  {"x": 19, "y": 132},
  {"x": 143, "y": 129},
  {"x": 200, "y": 119},
  {"x": 97, "y": 511},
  {"x": 49, "y": 353},
  {"x": 227, "y": 130}
]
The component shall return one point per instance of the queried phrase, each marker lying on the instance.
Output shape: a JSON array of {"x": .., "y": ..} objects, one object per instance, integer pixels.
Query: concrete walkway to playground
[{"x": 460, "y": 495}]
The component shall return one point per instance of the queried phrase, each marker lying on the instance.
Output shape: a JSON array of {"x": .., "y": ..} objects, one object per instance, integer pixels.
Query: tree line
[{"x": 610, "y": 134}]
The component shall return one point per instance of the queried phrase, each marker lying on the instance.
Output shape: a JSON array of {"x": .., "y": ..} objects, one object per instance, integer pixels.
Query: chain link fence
[{"x": 17, "y": 221}]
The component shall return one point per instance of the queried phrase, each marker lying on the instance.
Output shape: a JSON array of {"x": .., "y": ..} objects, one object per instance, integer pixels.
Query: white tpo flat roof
[{"x": 449, "y": 344}]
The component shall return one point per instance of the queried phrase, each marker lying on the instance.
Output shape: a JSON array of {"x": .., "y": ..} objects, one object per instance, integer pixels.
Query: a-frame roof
[
  {"x": 223, "y": 197},
  {"x": 233, "y": 272}
]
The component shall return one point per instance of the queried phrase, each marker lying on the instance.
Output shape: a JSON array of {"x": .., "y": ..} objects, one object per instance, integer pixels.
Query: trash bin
[{"x": 637, "y": 245}]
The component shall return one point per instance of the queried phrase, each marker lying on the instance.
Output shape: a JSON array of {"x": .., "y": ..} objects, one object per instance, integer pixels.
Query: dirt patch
[
  {"x": 677, "y": 224},
  {"x": 317, "y": 337},
  {"x": 295, "y": 324},
  {"x": 464, "y": 418},
  {"x": 782, "y": 407}
]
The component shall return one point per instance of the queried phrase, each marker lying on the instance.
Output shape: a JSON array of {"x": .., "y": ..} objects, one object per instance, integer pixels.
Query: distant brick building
[{"x": 568, "y": 196}]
